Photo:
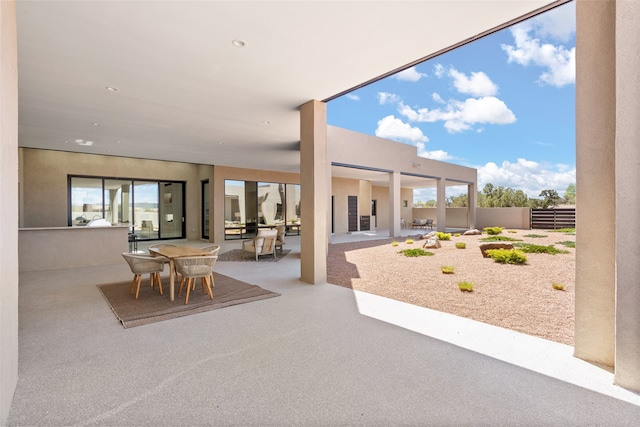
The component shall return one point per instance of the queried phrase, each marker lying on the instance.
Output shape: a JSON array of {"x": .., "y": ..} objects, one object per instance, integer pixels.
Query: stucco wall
[
  {"x": 8, "y": 207},
  {"x": 516, "y": 218},
  {"x": 45, "y": 191}
]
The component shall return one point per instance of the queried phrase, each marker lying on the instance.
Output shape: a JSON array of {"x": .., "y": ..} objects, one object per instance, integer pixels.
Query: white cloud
[
  {"x": 435, "y": 155},
  {"x": 353, "y": 97},
  {"x": 558, "y": 62},
  {"x": 479, "y": 84},
  {"x": 459, "y": 116},
  {"x": 526, "y": 175},
  {"x": 395, "y": 129},
  {"x": 438, "y": 70},
  {"x": 387, "y": 98},
  {"x": 409, "y": 75},
  {"x": 437, "y": 98}
]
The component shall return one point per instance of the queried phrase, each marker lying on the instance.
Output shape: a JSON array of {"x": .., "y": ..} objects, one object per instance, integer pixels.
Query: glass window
[
  {"x": 152, "y": 209},
  {"x": 249, "y": 205}
]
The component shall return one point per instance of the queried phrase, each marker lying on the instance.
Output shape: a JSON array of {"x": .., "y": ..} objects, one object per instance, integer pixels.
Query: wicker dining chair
[
  {"x": 144, "y": 264},
  {"x": 213, "y": 250},
  {"x": 191, "y": 268}
]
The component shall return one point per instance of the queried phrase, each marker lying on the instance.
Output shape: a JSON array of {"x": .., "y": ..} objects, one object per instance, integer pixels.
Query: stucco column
[
  {"x": 441, "y": 208},
  {"x": 472, "y": 196},
  {"x": 394, "y": 204},
  {"x": 314, "y": 186},
  {"x": 595, "y": 181},
  {"x": 8, "y": 207},
  {"x": 627, "y": 167}
]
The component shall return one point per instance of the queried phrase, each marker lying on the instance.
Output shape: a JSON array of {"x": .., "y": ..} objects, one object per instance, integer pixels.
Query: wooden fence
[{"x": 553, "y": 219}]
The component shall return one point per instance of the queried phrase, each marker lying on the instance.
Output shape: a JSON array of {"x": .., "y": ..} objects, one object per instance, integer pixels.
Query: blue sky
[{"x": 504, "y": 104}]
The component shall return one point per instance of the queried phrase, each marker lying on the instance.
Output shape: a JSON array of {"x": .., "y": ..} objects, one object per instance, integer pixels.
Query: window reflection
[{"x": 250, "y": 205}]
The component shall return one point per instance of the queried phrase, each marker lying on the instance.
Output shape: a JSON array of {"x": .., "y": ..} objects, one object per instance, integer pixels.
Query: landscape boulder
[
  {"x": 473, "y": 232},
  {"x": 432, "y": 243},
  {"x": 486, "y": 246}
]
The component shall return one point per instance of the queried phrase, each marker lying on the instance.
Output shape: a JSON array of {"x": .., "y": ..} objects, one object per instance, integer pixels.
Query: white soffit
[{"x": 186, "y": 93}]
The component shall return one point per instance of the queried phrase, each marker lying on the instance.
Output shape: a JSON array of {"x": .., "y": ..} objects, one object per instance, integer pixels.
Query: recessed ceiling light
[
  {"x": 266, "y": 122},
  {"x": 95, "y": 124},
  {"x": 237, "y": 43},
  {"x": 111, "y": 88},
  {"x": 220, "y": 142},
  {"x": 79, "y": 140}
]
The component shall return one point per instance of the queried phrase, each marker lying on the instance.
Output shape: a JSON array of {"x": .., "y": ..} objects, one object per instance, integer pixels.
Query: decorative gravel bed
[{"x": 517, "y": 297}]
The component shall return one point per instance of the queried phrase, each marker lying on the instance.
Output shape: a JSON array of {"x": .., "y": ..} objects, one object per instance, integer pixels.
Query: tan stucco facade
[{"x": 8, "y": 207}]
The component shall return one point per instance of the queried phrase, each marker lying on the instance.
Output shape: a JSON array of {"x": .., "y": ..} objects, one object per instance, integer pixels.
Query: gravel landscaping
[{"x": 517, "y": 297}]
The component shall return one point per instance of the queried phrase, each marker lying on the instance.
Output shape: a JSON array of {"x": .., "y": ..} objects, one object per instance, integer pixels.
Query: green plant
[
  {"x": 535, "y": 236},
  {"x": 568, "y": 243},
  {"x": 465, "y": 286},
  {"x": 457, "y": 235},
  {"x": 570, "y": 231},
  {"x": 415, "y": 252},
  {"x": 409, "y": 241},
  {"x": 539, "y": 249},
  {"x": 511, "y": 231},
  {"x": 558, "y": 286},
  {"x": 447, "y": 269},
  {"x": 443, "y": 236},
  {"x": 492, "y": 231},
  {"x": 394, "y": 243},
  {"x": 500, "y": 239},
  {"x": 461, "y": 245},
  {"x": 507, "y": 256}
]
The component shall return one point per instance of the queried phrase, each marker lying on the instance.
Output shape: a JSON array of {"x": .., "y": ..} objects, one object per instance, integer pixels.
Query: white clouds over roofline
[
  {"x": 395, "y": 129},
  {"x": 409, "y": 75}
]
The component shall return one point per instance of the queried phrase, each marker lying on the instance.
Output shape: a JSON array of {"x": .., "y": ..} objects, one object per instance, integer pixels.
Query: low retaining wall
[{"x": 62, "y": 247}]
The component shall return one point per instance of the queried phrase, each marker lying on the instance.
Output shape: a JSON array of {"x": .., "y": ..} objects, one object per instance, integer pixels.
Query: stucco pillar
[
  {"x": 394, "y": 204},
  {"x": 627, "y": 177},
  {"x": 595, "y": 181},
  {"x": 8, "y": 207},
  {"x": 441, "y": 208},
  {"x": 315, "y": 180},
  {"x": 472, "y": 196}
]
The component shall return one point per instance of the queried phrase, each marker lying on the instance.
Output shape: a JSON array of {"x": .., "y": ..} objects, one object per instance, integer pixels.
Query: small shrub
[
  {"x": 530, "y": 248},
  {"x": 511, "y": 231},
  {"x": 507, "y": 256},
  {"x": 415, "y": 252},
  {"x": 447, "y": 269},
  {"x": 394, "y": 243},
  {"x": 569, "y": 231},
  {"x": 500, "y": 239},
  {"x": 492, "y": 231},
  {"x": 409, "y": 241},
  {"x": 457, "y": 235},
  {"x": 567, "y": 243},
  {"x": 443, "y": 236},
  {"x": 465, "y": 286},
  {"x": 461, "y": 245},
  {"x": 558, "y": 286},
  {"x": 535, "y": 236}
]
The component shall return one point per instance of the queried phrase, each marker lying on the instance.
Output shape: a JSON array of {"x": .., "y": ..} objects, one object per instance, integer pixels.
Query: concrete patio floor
[{"x": 316, "y": 355}]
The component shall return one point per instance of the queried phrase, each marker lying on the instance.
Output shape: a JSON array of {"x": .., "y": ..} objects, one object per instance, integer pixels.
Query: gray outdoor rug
[
  {"x": 151, "y": 307},
  {"x": 240, "y": 255}
]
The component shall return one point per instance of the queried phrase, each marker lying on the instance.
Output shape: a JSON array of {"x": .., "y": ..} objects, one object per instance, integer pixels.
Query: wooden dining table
[{"x": 173, "y": 252}]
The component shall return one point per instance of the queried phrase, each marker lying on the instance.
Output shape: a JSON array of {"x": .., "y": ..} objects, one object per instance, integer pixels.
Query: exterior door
[{"x": 352, "y": 205}]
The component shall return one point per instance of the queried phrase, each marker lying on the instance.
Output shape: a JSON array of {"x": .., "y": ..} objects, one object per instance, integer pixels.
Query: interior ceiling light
[
  {"x": 266, "y": 122},
  {"x": 95, "y": 124},
  {"x": 111, "y": 88},
  {"x": 237, "y": 43}
]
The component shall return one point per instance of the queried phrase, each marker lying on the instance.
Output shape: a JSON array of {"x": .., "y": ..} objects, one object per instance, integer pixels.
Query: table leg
[{"x": 172, "y": 273}]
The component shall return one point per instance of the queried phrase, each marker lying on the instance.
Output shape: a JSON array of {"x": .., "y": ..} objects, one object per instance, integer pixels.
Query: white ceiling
[{"x": 186, "y": 93}]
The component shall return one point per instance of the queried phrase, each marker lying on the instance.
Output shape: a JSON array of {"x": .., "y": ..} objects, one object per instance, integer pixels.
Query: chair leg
[
  {"x": 138, "y": 287},
  {"x": 181, "y": 285},
  {"x": 189, "y": 283},
  {"x": 133, "y": 283},
  {"x": 213, "y": 284},
  {"x": 206, "y": 279},
  {"x": 159, "y": 282}
]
